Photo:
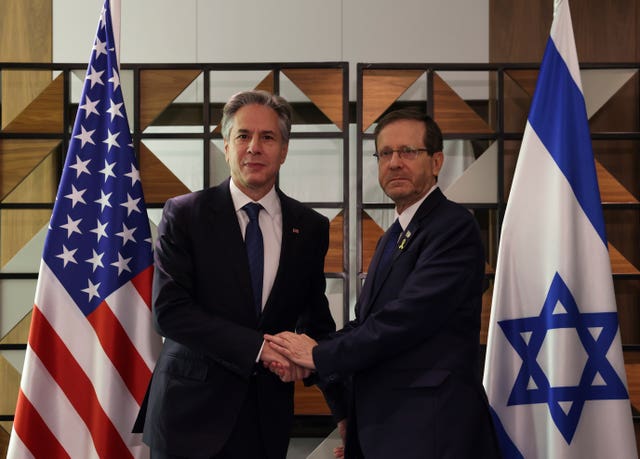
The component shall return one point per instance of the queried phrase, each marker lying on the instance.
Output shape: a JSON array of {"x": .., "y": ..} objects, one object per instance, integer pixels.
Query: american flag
[{"x": 92, "y": 347}]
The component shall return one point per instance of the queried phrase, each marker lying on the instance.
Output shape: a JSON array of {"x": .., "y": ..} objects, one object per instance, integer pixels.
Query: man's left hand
[{"x": 297, "y": 348}]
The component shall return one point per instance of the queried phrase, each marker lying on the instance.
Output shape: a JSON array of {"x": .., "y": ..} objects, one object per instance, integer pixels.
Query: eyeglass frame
[{"x": 405, "y": 153}]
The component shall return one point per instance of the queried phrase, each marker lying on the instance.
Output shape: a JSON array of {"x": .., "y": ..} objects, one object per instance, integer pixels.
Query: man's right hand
[{"x": 282, "y": 366}]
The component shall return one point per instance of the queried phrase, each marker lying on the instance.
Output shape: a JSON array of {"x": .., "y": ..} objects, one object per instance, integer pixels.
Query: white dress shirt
[{"x": 270, "y": 219}]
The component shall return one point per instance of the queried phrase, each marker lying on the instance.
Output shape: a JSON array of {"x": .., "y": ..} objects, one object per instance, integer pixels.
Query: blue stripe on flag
[{"x": 559, "y": 117}]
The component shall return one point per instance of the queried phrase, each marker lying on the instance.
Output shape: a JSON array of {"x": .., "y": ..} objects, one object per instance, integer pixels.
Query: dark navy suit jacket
[
  {"x": 411, "y": 354},
  {"x": 203, "y": 306}
]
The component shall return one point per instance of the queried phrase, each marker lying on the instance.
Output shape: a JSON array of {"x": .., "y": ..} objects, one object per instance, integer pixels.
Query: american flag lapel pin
[{"x": 295, "y": 231}]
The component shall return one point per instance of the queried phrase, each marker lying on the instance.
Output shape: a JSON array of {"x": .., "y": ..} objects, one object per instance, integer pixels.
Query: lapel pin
[
  {"x": 402, "y": 245},
  {"x": 295, "y": 231}
]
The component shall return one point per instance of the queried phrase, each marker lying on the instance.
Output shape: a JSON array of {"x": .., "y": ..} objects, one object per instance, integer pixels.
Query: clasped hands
[{"x": 289, "y": 355}]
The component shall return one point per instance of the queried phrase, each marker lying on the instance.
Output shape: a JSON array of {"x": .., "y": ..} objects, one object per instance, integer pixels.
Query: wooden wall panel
[{"x": 25, "y": 36}]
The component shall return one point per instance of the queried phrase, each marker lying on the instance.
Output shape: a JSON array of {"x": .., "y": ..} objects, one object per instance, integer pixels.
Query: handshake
[{"x": 289, "y": 355}]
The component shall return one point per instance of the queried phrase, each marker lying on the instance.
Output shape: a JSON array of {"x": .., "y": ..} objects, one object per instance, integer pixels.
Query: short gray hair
[{"x": 256, "y": 97}]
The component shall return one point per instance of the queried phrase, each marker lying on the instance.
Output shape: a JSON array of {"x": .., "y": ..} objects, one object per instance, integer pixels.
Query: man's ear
[{"x": 437, "y": 160}]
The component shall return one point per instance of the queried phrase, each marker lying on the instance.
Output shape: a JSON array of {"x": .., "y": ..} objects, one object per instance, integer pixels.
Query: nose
[
  {"x": 254, "y": 145},
  {"x": 395, "y": 161}
]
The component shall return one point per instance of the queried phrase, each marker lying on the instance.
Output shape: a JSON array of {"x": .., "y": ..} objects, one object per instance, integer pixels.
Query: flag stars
[
  {"x": 122, "y": 264},
  {"x": 111, "y": 140},
  {"x": 89, "y": 107},
  {"x": 108, "y": 171},
  {"x": 95, "y": 77},
  {"x": 81, "y": 166},
  {"x": 72, "y": 226},
  {"x": 67, "y": 256},
  {"x": 134, "y": 175},
  {"x": 96, "y": 260},
  {"x": 115, "y": 79},
  {"x": 100, "y": 230},
  {"x": 131, "y": 204},
  {"x": 76, "y": 196},
  {"x": 100, "y": 47},
  {"x": 85, "y": 137},
  {"x": 104, "y": 199},
  {"x": 114, "y": 110},
  {"x": 126, "y": 234},
  {"x": 92, "y": 289}
]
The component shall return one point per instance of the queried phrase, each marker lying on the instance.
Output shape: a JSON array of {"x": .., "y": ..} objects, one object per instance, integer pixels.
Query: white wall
[{"x": 172, "y": 31}]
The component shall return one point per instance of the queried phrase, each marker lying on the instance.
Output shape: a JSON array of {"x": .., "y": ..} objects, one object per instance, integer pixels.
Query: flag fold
[
  {"x": 554, "y": 370},
  {"x": 91, "y": 347}
]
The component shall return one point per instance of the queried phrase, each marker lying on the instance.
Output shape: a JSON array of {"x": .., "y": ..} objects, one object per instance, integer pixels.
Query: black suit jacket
[
  {"x": 411, "y": 354},
  {"x": 203, "y": 306}
]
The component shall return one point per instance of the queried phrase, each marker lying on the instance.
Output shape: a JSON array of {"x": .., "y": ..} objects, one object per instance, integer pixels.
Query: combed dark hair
[
  {"x": 239, "y": 100},
  {"x": 432, "y": 137}
]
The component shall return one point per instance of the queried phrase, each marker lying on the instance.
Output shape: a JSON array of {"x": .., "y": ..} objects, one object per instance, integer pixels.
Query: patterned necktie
[
  {"x": 255, "y": 252},
  {"x": 389, "y": 248}
]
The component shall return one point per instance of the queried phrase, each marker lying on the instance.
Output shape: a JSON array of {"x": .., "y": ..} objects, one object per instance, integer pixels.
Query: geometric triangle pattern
[
  {"x": 323, "y": 87},
  {"x": 19, "y": 226},
  {"x": 267, "y": 84},
  {"x": 9, "y": 385},
  {"x": 44, "y": 113},
  {"x": 452, "y": 113},
  {"x": 158, "y": 181},
  {"x": 619, "y": 264},
  {"x": 381, "y": 88},
  {"x": 19, "y": 333},
  {"x": 19, "y": 157},
  {"x": 478, "y": 183},
  {"x": 371, "y": 233},
  {"x": 611, "y": 190},
  {"x": 600, "y": 86},
  {"x": 158, "y": 88},
  {"x": 333, "y": 262}
]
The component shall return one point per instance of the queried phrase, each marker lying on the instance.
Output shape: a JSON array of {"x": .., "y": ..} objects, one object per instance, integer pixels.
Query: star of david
[{"x": 532, "y": 385}]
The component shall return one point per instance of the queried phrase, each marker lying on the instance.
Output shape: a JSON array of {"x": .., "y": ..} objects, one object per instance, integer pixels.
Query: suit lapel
[
  {"x": 227, "y": 239},
  {"x": 377, "y": 280},
  {"x": 289, "y": 244}
]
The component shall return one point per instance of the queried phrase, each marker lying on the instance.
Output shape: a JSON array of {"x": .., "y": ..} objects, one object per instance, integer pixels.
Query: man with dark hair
[
  {"x": 409, "y": 360},
  {"x": 232, "y": 263}
]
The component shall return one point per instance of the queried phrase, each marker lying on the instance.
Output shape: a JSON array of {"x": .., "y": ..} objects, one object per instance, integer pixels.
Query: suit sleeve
[
  {"x": 176, "y": 312},
  {"x": 317, "y": 321},
  {"x": 446, "y": 274}
]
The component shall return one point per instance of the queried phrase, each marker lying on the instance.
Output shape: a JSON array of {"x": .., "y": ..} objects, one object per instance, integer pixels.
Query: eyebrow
[{"x": 246, "y": 131}]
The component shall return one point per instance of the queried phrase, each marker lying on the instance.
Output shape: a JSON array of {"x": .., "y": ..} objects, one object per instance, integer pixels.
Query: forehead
[
  {"x": 255, "y": 117},
  {"x": 402, "y": 132}
]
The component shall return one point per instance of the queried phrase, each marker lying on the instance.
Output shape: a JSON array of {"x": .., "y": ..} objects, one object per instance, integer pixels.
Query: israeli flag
[{"x": 554, "y": 371}]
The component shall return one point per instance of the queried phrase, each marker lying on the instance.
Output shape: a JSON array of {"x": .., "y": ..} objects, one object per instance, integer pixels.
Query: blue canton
[{"x": 99, "y": 236}]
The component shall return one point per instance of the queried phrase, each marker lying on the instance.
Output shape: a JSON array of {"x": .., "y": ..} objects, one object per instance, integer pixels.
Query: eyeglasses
[{"x": 406, "y": 153}]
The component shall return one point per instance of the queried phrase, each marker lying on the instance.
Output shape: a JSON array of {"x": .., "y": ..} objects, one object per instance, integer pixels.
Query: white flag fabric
[
  {"x": 554, "y": 371},
  {"x": 91, "y": 347}
]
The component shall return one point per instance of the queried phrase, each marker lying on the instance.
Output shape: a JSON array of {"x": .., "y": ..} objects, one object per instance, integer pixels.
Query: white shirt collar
[
  {"x": 270, "y": 201},
  {"x": 405, "y": 217}
]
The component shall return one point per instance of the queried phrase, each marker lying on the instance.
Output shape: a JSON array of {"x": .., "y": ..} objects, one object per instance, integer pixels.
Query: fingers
[
  {"x": 296, "y": 347},
  {"x": 292, "y": 373},
  {"x": 270, "y": 354}
]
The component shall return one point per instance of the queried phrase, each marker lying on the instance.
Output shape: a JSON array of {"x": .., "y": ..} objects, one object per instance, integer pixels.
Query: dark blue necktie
[
  {"x": 255, "y": 252},
  {"x": 393, "y": 233}
]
